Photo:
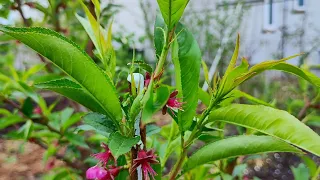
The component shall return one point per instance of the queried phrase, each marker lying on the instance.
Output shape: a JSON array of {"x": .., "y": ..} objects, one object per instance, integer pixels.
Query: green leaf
[
  {"x": 32, "y": 71},
  {"x": 186, "y": 57},
  {"x": 157, "y": 168},
  {"x": 136, "y": 106},
  {"x": 172, "y": 11},
  {"x": 27, "y": 107},
  {"x": 121, "y": 161},
  {"x": 41, "y": 8},
  {"x": 119, "y": 144},
  {"x": 300, "y": 172},
  {"x": 142, "y": 65},
  {"x": 312, "y": 166},
  {"x": 308, "y": 76},
  {"x": 65, "y": 174},
  {"x": 159, "y": 35},
  {"x": 237, "y": 94},
  {"x": 259, "y": 68},
  {"x": 73, "y": 91},
  {"x": 96, "y": 30},
  {"x": 84, "y": 127},
  {"x": 312, "y": 120},
  {"x": 28, "y": 129},
  {"x": 234, "y": 57},
  {"x": 97, "y": 7},
  {"x": 77, "y": 140},
  {"x": 205, "y": 71},
  {"x": 101, "y": 123},
  {"x": 235, "y": 75},
  {"x": 65, "y": 114},
  {"x": 110, "y": 52},
  {"x": 152, "y": 129},
  {"x": 9, "y": 120},
  {"x": 270, "y": 121},
  {"x": 228, "y": 81},
  {"x": 87, "y": 27},
  {"x": 5, "y": 38},
  {"x": 156, "y": 102},
  {"x": 4, "y": 112},
  {"x": 34, "y": 96},
  {"x": 74, "y": 61},
  {"x": 203, "y": 96},
  {"x": 70, "y": 121},
  {"x": 237, "y": 146},
  {"x": 226, "y": 176},
  {"x": 46, "y": 77},
  {"x": 45, "y": 134},
  {"x": 99, "y": 37},
  {"x": 52, "y": 149}
]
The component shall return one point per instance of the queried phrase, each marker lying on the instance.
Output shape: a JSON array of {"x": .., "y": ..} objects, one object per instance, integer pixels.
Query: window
[
  {"x": 269, "y": 16},
  {"x": 299, "y": 6}
]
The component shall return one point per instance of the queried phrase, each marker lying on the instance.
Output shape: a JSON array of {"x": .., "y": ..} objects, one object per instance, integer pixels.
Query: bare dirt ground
[{"x": 21, "y": 160}]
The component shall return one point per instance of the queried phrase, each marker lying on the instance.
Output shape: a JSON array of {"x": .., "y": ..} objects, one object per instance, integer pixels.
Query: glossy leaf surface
[
  {"x": 156, "y": 102},
  {"x": 119, "y": 144},
  {"x": 100, "y": 123},
  {"x": 73, "y": 91},
  {"x": 172, "y": 11},
  {"x": 75, "y": 62},
  {"x": 308, "y": 76},
  {"x": 159, "y": 35},
  {"x": 186, "y": 57},
  {"x": 270, "y": 121},
  {"x": 237, "y": 146},
  {"x": 238, "y": 94}
]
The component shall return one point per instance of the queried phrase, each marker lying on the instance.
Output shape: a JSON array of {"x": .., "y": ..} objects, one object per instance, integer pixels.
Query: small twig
[
  {"x": 147, "y": 19},
  {"x": 303, "y": 111},
  {"x": 143, "y": 134},
  {"x": 43, "y": 121},
  {"x": 25, "y": 21},
  {"x": 177, "y": 167},
  {"x": 12, "y": 103},
  {"x": 133, "y": 172},
  {"x": 76, "y": 164}
]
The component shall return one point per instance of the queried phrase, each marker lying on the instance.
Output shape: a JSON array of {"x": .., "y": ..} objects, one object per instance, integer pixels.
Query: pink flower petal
[
  {"x": 144, "y": 159},
  {"x": 96, "y": 172}
]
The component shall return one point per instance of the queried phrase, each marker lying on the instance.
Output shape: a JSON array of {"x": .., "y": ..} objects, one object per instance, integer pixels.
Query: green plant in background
[
  {"x": 45, "y": 119},
  {"x": 39, "y": 124},
  {"x": 125, "y": 119},
  {"x": 216, "y": 42}
]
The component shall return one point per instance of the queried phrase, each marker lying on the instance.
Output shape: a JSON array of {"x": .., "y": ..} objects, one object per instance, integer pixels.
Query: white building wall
[
  {"x": 254, "y": 22},
  {"x": 264, "y": 45}
]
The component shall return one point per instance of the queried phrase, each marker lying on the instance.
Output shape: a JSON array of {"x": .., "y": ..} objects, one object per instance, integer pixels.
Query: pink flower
[
  {"x": 114, "y": 171},
  {"x": 100, "y": 173},
  {"x": 145, "y": 159},
  {"x": 37, "y": 110},
  {"x": 104, "y": 157},
  {"x": 103, "y": 173},
  {"x": 147, "y": 79},
  {"x": 50, "y": 164},
  {"x": 173, "y": 103}
]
